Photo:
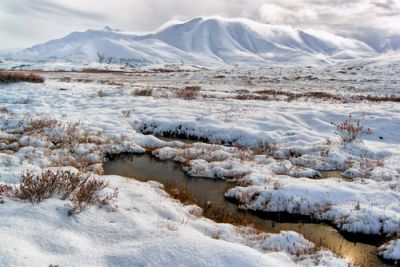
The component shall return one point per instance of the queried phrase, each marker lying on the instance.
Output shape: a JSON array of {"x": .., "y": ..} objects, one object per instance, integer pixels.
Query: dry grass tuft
[
  {"x": 101, "y": 93},
  {"x": 15, "y": 77},
  {"x": 87, "y": 195},
  {"x": 189, "y": 92},
  {"x": 5, "y": 110},
  {"x": 62, "y": 135},
  {"x": 367, "y": 165},
  {"x": 65, "y": 79},
  {"x": 267, "y": 148},
  {"x": 126, "y": 113},
  {"x": 38, "y": 125},
  {"x": 5, "y": 191},
  {"x": 143, "y": 92}
]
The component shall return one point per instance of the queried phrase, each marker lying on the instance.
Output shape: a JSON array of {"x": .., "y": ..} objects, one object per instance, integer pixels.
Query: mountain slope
[{"x": 206, "y": 42}]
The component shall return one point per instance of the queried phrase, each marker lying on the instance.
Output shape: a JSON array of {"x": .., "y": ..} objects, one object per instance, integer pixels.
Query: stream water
[{"x": 145, "y": 168}]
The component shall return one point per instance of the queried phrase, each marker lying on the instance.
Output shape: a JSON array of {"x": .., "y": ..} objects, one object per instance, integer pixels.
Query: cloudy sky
[{"x": 27, "y": 22}]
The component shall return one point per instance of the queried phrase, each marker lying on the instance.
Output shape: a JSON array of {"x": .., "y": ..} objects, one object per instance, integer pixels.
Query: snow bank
[
  {"x": 390, "y": 250},
  {"x": 145, "y": 227}
]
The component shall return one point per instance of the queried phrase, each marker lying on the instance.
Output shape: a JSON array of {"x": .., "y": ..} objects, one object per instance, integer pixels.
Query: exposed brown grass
[
  {"x": 289, "y": 96},
  {"x": 5, "y": 190},
  {"x": 39, "y": 125},
  {"x": 101, "y": 93},
  {"x": 126, "y": 113},
  {"x": 5, "y": 110},
  {"x": 367, "y": 165},
  {"x": 161, "y": 70},
  {"x": 378, "y": 98},
  {"x": 65, "y": 79},
  {"x": 109, "y": 82},
  {"x": 189, "y": 92},
  {"x": 84, "y": 80},
  {"x": 15, "y": 77},
  {"x": 62, "y": 134},
  {"x": 274, "y": 94},
  {"x": 62, "y": 139},
  {"x": 87, "y": 195},
  {"x": 143, "y": 92},
  {"x": 267, "y": 148},
  {"x": 96, "y": 70}
]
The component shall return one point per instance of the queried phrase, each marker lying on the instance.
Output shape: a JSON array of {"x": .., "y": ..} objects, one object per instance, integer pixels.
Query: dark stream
[{"x": 146, "y": 167}]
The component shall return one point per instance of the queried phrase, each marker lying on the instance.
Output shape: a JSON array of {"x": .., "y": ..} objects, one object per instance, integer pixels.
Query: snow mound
[
  {"x": 390, "y": 250},
  {"x": 211, "y": 42},
  {"x": 288, "y": 241}
]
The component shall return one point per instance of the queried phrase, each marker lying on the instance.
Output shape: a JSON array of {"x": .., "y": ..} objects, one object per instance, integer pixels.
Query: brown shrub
[
  {"x": 81, "y": 189},
  {"x": 101, "y": 93},
  {"x": 5, "y": 110},
  {"x": 14, "y": 77},
  {"x": 5, "y": 190},
  {"x": 36, "y": 188},
  {"x": 87, "y": 195},
  {"x": 143, "y": 92},
  {"x": 189, "y": 92},
  {"x": 126, "y": 113}
]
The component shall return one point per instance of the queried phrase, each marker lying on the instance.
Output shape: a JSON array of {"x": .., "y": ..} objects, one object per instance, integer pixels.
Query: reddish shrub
[
  {"x": 351, "y": 130},
  {"x": 5, "y": 190},
  {"x": 81, "y": 189},
  {"x": 14, "y": 77}
]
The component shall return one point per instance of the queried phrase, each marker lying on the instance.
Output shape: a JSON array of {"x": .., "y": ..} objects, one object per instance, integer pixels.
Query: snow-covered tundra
[{"x": 316, "y": 141}]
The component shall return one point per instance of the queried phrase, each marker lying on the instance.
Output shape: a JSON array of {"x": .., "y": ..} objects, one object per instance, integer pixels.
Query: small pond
[{"x": 145, "y": 168}]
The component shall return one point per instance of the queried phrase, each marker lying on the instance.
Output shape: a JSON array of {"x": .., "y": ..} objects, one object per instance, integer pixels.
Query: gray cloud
[{"x": 26, "y": 22}]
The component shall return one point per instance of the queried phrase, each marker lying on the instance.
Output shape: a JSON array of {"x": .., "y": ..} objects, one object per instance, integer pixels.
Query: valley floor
[{"x": 269, "y": 130}]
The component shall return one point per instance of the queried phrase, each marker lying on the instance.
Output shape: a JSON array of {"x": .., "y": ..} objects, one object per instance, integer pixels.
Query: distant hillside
[{"x": 201, "y": 41}]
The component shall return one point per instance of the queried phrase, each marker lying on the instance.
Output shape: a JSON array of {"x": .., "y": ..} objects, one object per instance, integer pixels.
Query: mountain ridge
[{"x": 212, "y": 41}]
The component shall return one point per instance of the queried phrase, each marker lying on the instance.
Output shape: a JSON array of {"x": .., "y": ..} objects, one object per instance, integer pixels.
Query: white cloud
[
  {"x": 276, "y": 14},
  {"x": 373, "y": 21}
]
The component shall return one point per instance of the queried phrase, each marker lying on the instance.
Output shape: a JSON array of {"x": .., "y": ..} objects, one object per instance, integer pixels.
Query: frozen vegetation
[{"x": 69, "y": 126}]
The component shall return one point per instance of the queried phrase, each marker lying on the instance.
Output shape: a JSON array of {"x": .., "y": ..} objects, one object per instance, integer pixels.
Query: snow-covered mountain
[{"x": 201, "y": 41}]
